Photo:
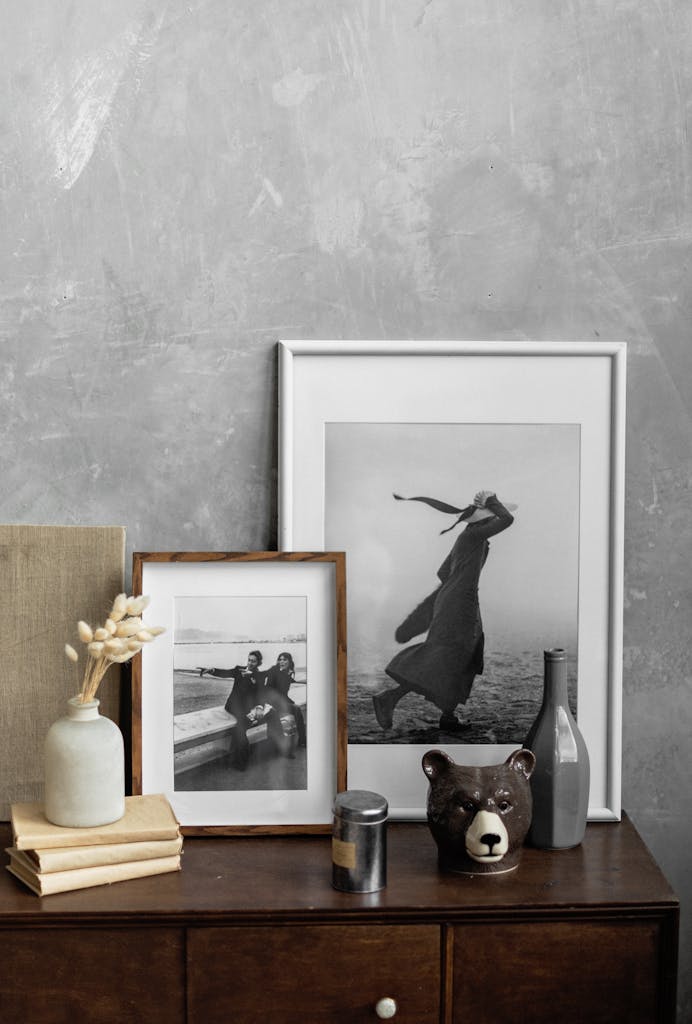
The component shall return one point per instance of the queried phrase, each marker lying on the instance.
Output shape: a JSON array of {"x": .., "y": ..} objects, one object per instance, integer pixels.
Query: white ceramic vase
[{"x": 84, "y": 768}]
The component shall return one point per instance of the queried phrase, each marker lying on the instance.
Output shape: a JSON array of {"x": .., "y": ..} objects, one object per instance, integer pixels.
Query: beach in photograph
[{"x": 502, "y": 706}]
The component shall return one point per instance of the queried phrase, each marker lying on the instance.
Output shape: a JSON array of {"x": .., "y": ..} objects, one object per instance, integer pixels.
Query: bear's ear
[
  {"x": 436, "y": 763},
  {"x": 522, "y": 761}
]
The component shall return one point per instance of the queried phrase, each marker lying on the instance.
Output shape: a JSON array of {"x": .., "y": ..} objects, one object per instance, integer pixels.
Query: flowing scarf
[{"x": 443, "y": 506}]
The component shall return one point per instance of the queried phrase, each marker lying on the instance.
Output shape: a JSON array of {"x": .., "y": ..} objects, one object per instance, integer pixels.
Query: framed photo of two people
[
  {"x": 238, "y": 712},
  {"x": 477, "y": 490}
]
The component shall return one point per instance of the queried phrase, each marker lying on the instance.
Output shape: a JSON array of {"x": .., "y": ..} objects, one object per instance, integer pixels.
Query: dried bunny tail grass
[
  {"x": 119, "y": 609},
  {"x": 120, "y": 659},
  {"x": 128, "y": 627},
  {"x": 115, "y": 645},
  {"x": 120, "y": 638},
  {"x": 85, "y": 632}
]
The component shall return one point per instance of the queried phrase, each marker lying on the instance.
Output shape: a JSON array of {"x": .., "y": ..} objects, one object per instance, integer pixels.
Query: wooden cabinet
[{"x": 252, "y": 930}]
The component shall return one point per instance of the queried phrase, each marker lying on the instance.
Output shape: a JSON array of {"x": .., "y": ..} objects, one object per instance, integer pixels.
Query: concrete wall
[{"x": 182, "y": 183}]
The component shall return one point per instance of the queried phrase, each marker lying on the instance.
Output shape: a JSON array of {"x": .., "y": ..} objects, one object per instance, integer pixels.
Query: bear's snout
[
  {"x": 490, "y": 840},
  {"x": 487, "y": 840}
]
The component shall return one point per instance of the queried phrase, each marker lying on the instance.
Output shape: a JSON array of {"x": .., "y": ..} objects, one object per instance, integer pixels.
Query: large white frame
[{"x": 324, "y": 382}]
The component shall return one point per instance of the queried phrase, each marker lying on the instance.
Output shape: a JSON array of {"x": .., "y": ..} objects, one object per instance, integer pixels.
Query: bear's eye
[
  {"x": 504, "y": 806},
  {"x": 467, "y": 805}
]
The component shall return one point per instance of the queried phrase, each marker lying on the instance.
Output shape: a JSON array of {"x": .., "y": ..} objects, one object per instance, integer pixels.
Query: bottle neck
[
  {"x": 555, "y": 677},
  {"x": 82, "y": 712}
]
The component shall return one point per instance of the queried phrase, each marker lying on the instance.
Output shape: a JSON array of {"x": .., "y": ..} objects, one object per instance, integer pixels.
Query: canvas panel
[{"x": 51, "y": 576}]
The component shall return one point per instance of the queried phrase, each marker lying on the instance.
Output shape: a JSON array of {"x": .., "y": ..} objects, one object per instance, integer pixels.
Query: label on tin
[{"x": 343, "y": 854}]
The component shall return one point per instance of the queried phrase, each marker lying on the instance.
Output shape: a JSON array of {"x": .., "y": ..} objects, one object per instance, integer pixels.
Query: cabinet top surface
[{"x": 236, "y": 879}]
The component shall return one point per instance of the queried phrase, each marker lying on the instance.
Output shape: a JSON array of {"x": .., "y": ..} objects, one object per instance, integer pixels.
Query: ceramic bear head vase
[{"x": 479, "y": 816}]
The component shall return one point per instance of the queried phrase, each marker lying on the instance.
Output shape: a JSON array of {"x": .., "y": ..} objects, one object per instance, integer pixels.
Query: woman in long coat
[{"x": 443, "y": 667}]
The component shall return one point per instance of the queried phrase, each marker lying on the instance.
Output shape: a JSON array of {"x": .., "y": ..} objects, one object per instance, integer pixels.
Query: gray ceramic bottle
[{"x": 560, "y": 780}]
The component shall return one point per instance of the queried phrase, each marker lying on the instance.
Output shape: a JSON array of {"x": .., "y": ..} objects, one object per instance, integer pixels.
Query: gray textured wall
[{"x": 182, "y": 183}]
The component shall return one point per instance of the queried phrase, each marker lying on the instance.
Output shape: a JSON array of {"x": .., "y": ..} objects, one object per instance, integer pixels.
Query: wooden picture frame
[
  {"x": 239, "y": 709},
  {"x": 542, "y": 424}
]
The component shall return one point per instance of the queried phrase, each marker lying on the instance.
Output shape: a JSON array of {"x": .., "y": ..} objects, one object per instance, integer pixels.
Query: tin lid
[{"x": 360, "y": 805}]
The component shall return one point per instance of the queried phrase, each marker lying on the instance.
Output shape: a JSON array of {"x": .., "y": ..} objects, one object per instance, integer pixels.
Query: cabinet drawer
[
  {"x": 571, "y": 971},
  {"x": 59, "y": 976},
  {"x": 330, "y": 973}
]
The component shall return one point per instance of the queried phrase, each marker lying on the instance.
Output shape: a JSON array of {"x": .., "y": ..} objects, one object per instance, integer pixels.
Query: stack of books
[{"x": 50, "y": 858}]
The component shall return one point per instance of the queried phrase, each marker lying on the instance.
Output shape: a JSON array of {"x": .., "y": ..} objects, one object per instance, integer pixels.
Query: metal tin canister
[{"x": 359, "y": 841}]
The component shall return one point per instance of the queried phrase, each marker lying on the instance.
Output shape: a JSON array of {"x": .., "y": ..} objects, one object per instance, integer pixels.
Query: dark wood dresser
[{"x": 251, "y": 930}]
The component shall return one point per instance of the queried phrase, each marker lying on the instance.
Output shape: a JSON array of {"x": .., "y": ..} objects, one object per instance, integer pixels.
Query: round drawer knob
[{"x": 385, "y": 1008}]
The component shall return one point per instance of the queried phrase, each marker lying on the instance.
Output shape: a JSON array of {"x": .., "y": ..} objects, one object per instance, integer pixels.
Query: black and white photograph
[
  {"x": 240, "y": 693},
  {"x": 463, "y": 564},
  {"x": 240, "y": 712}
]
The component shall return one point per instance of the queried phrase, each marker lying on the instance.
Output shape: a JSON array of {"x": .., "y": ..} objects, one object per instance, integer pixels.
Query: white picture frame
[
  {"x": 218, "y": 609},
  {"x": 358, "y": 391}
]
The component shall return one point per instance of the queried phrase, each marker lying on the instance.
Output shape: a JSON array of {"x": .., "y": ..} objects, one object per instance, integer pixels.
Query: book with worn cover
[
  {"x": 146, "y": 818},
  {"x": 47, "y": 883},
  {"x": 66, "y": 858}
]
